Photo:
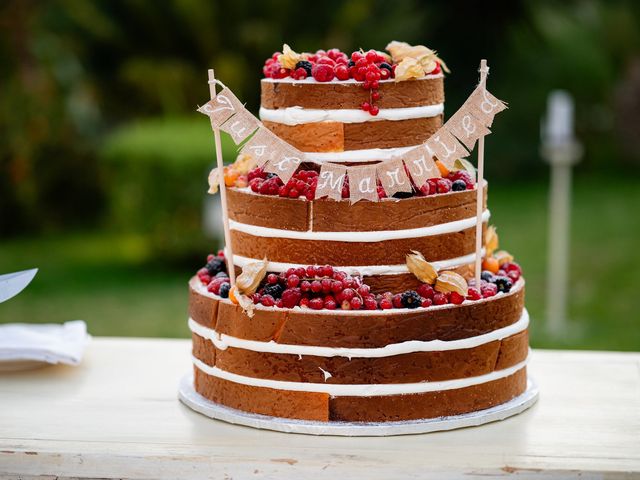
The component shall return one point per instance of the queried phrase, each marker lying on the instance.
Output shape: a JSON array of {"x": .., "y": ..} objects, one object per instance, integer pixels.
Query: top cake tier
[{"x": 366, "y": 107}]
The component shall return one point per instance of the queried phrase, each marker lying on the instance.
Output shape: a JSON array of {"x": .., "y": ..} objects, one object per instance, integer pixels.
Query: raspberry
[
  {"x": 267, "y": 300},
  {"x": 256, "y": 298},
  {"x": 488, "y": 290},
  {"x": 473, "y": 294},
  {"x": 272, "y": 278},
  {"x": 323, "y": 73},
  {"x": 291, "y": 297},
  {"x": 216, "y": 283},
  {"x": 425, "y": 290},
  {"x": 512, "y": 267},
  {"x": 299, "y": 74},
  {"x": 305, "y": 65},
  {"x": 456, "y": 298},
  {"x": 341, "y": 72},
  {"x": 356, "y": 303},
  {"x": 411, "y": 299},
  {"x": 443, "y": 185},
  {"x": 426, "y": 302},
  {"x": 316, "y": 303},
  {"x": 439, "y": 299}
]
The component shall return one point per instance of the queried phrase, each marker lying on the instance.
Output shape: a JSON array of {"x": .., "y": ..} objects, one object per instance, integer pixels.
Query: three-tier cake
[{"x": 366, "y": 311}]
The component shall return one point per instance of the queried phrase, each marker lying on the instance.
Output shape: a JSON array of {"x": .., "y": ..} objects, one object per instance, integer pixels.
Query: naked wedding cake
[{"x": 356, "y": 307}]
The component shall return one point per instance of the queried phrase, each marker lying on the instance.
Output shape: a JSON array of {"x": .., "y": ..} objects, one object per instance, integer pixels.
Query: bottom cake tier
[{"x": 366, "y": 366}]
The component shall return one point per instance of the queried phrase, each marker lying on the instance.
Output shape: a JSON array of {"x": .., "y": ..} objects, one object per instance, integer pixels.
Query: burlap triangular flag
[
  {"x": 240, "y": 126},
  {"x": 446, "y": 147},
  {"x": 393, "y": 176},
  {"x": 261, "y": 146},
  {"x": 466, "y": 127},
  {"x": 362, "y": 183},
  {"x": 284, "y": 161},
  {"x": 420, "y": 164},
  {"x": 484, "y": 106},
  {"x": 330, "y": 181},
  {"x": 221, "y": 107}
]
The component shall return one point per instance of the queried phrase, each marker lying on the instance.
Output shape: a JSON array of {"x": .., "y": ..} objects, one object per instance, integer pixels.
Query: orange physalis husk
[
  {"x": 423, "y": 270},
  {"x": 490, "y": 240},
  {"x": 451, "y": 282}
]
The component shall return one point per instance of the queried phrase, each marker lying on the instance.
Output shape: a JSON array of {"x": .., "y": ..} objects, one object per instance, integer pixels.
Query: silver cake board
[{"x": 197, "y": 402}]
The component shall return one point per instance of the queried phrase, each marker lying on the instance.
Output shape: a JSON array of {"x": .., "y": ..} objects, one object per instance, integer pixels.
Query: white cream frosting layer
[
  {"x": 223, "y": 341},
  {"x": 300, "y": 115},
  {"x": 364, "y": 270},
  {"x": 363, "y": 155},
  {"x": 360, "y": 390},
  {"x": 369, "y": 236}
]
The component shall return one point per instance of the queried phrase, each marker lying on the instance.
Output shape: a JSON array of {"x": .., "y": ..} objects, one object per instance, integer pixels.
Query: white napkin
[{"x": 49, "y": 343}]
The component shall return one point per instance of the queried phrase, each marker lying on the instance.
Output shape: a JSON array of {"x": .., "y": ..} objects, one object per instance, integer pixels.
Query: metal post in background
[{"x": 561, "y": 149}]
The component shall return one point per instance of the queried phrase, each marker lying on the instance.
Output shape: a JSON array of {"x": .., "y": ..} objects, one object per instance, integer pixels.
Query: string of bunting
[{"x": 454, "y": 140}]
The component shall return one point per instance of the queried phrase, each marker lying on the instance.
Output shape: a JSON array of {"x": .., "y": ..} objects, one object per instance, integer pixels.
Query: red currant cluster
[
  {"x": 315, "y": 287},
  {"x": 303, "y": 183},
  {"x": 369, "y": 68}
]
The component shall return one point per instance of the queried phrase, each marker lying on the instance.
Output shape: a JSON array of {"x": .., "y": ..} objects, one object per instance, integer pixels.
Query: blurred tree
[{"x": 74, "y": 70}]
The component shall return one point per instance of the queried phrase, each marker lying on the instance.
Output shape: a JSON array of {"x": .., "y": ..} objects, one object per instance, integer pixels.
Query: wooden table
[{"x": 117, "y": 416}]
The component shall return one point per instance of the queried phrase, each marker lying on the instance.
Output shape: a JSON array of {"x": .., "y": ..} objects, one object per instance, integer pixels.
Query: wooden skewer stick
[
  {"x": 228, "y": 250},
  {"x": 484, "y": 70}
]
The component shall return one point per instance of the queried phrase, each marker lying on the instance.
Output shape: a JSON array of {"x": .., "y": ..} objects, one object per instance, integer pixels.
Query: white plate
[{"x": 197, "y": 402}]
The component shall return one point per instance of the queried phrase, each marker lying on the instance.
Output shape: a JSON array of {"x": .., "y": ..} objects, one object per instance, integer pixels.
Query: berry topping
[
  {"x": 411, "y": 299},
  {"x": 323, "y": 72},
  {"x": 305, "y": 65},
  {"x": 504, "y": 284},
  {"x": 458, "y": 186},
  {"x": 274, "y": 291},
  {"x": 224, "y": 290}
]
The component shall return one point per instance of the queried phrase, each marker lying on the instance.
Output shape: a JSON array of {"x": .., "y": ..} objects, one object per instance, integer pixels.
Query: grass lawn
[{"x": 110, "y": 282}]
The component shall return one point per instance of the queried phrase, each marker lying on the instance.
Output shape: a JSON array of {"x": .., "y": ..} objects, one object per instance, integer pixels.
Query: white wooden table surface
[{"x": 117, "y": 416}]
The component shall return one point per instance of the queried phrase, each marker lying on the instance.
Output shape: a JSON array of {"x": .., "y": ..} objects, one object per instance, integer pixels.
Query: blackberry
[
  {"x": 351, "y": 64},
  {"x": 306, "y": 65},
  {"x": 275, "y": 290},
  {"x": 411, "y": 299},
  {"x": 224, "y": 290},
  {"x": 216, "y": 266},
  {"x": 387, "y": 66},
  {"x": 487, "y": 276},
  {"x": 403, "y": 195},
  {"x": 458, "y": 186},
  {"x": 504, "y": 284}
]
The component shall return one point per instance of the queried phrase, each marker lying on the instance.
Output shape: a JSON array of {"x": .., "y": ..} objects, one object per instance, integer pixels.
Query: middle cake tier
[{"x": 370, "y": 239}]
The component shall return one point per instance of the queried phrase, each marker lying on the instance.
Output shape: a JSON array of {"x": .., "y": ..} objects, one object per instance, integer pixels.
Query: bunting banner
[{"x": 454, "y": 140}]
